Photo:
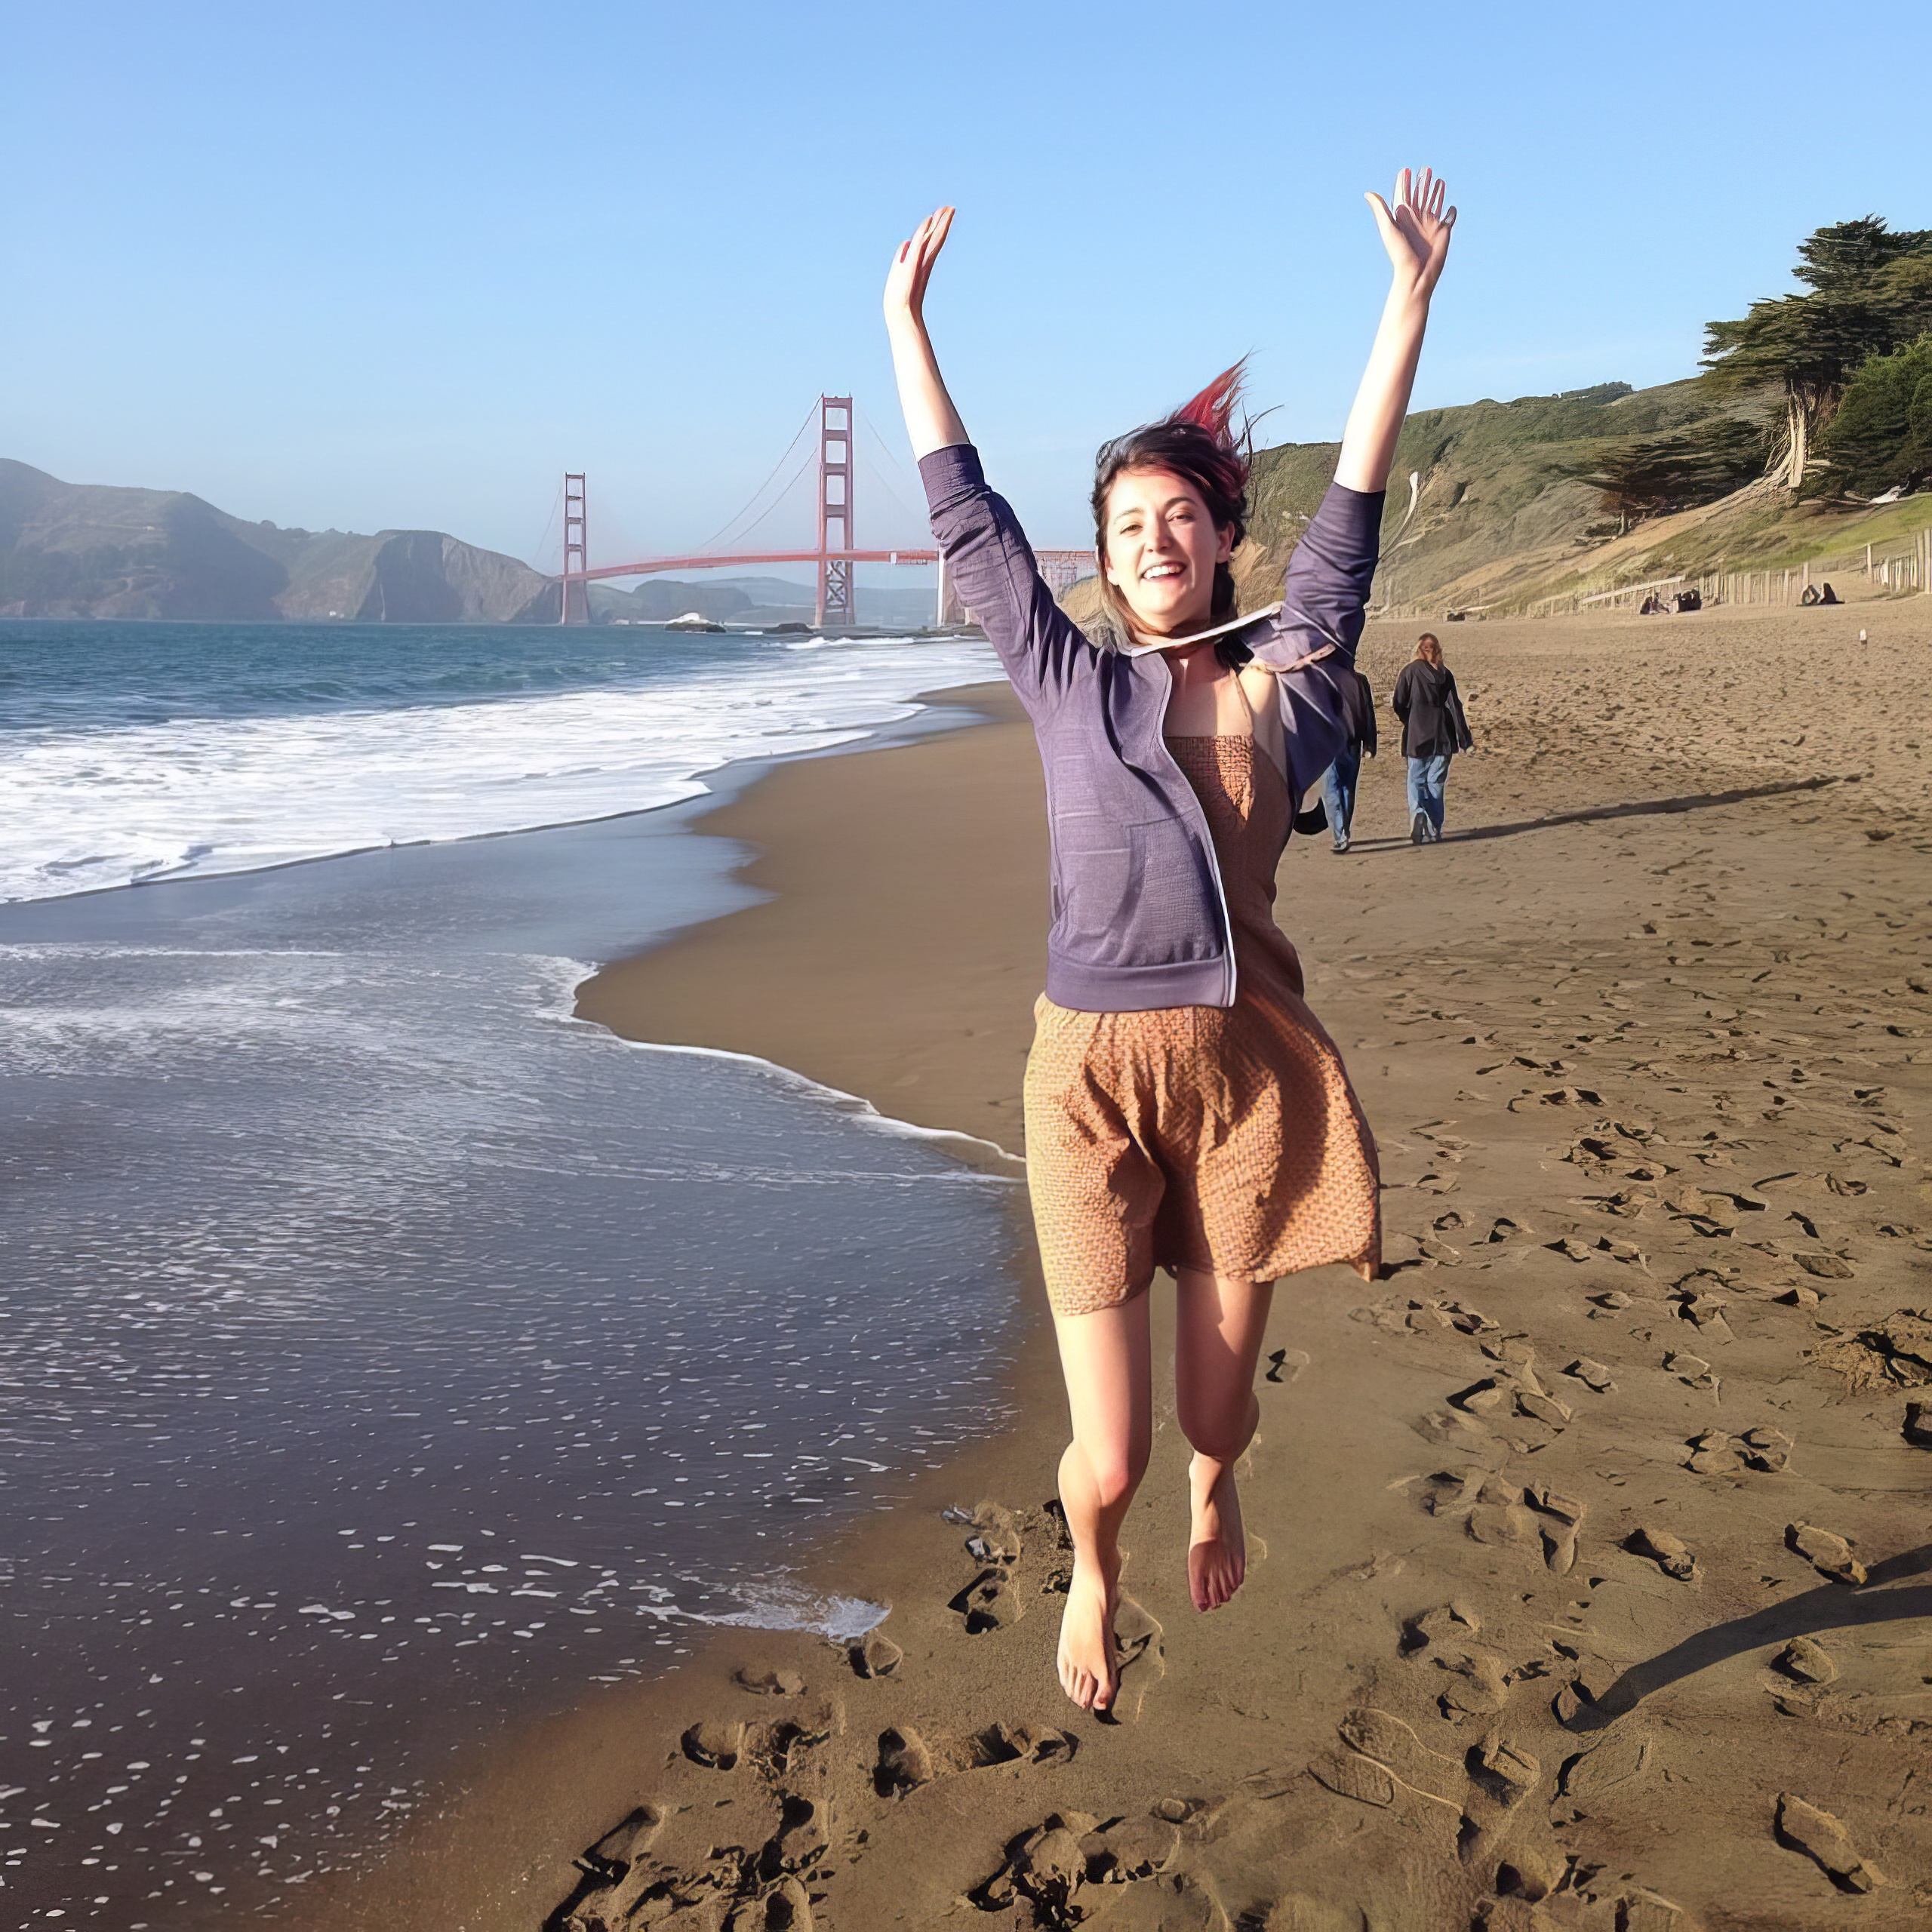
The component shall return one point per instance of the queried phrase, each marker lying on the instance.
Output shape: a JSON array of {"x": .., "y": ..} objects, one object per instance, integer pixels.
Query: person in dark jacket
[
  {"x": 1184, "y": 1109},
  {"x": 1338, "y": 782},
  {"x": 1433, "y": 731}
]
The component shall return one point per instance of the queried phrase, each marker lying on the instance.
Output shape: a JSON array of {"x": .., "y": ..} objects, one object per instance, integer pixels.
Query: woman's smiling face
[{"x": 1161, "y": 549}]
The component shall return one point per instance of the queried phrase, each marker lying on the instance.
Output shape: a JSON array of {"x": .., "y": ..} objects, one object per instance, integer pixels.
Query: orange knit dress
[{"x": 1202, "y": 1137}]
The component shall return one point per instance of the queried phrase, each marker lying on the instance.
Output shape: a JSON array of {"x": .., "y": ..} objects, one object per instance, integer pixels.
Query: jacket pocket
[
  {"x": 1093, "y": 877},
  {"x": 1132, "y": 895}
]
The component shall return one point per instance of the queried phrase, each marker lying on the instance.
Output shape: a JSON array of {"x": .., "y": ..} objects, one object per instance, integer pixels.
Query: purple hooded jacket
[{"x": 1139, "y": 918}]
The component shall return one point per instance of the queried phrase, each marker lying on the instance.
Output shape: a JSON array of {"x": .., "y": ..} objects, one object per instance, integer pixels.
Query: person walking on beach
[
  {"x": 1338, "y": 782},
  {"x": 1184, "y": 1109},
  {"x": 1434, "y": 730}
]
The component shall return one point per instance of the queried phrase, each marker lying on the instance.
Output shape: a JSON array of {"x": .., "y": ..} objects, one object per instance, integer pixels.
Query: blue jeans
[
  {"x": 1338, "y": 792},
  {"x": 1427, "y": 777}
]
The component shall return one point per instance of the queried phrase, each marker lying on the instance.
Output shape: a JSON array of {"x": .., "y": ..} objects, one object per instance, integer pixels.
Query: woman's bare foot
[
  {"x": 1088, "y": 1672},
  {"x": 1217, "y": 1551}
]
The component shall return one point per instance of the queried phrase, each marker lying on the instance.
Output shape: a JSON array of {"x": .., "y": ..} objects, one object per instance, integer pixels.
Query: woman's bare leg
[
  {"x": 1220, "y": 1324},
  {"x": 1105, "y": 1359}
]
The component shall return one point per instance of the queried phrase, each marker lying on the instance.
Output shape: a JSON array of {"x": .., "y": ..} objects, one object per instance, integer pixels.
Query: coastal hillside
[
  {"x": 93, "y": 550},
  {"x": 1521, "y": 502},
  {"x": 1544, "y": 497},
  {"x": 1805, "y": 446},
  {"x": 90, "y": 550},
  {"x": 1508, "y": 491}
]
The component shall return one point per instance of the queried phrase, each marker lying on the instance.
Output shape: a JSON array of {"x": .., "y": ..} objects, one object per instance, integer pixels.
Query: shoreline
[
  {"x": 433, "y": 943},
  {"x": 923, "y": 1024},
  {"x": 1482, "y": 998}
]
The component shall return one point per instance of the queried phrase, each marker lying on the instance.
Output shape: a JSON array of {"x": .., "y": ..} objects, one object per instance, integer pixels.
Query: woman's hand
[
  {"x": 1415, "y": 232},
  {"x": 913, "y": 269},
  {"x": 931, "y": 421}
]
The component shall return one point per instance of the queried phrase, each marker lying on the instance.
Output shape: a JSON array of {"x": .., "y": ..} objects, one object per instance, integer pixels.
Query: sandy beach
[{"x": 1589, "y": 1560}]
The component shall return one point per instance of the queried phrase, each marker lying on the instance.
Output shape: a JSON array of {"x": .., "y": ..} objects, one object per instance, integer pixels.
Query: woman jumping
[{"x": 1184, "y": 1110}]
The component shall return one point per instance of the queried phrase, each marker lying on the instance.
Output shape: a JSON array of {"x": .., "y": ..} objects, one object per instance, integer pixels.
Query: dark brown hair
[
  {"x": 1429, "y": 648},
  {"x": 1198, "y": 444}
]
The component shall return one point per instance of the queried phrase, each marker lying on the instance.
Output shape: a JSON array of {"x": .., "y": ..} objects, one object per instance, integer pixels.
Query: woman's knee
[
  {"x": 1115, "y": 1470},
  {"x": 1219, "y": 1430}
]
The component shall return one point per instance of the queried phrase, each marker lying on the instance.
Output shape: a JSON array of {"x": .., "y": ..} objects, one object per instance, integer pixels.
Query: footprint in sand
[
  {"x": 1535, "y": 1519},
  {"x": 905, "y": 1763},
  {"x": 714, "y": 1744},
  {"x": 618, "y": 1877},
  {"x": 1393, "y": 1744},
  {"x": 996, "y": 1537},
  {"x": 1484, "y": 1790},
  {"x": 769, "y": 1683},
  {"x": 1593, "y": 1374},
  {"x": 875, "y": 1655},
  {"x": 1478, "y": 1685},
  {"x": 1140, "y": 1656},
  {"x": 1821, "y": 1837},
  {"x": 611, "y": 1857},
  {"x": 1806, "y": 1661},
  {"x": 771, "y": 1747},
  {"x": 1350, "y": 1776},
  {"x": 1668, "y": 1553},
  {"x": 1621, "y": 1759},
  {"x": 1590, "y": 1700},
  {"x": 1448, "y": 1623},
  {"x": 1517, "y": 1386},
  {"x": 907, "y": 1759},
  {"x": 1714, "y": 1452},
  {"x": 989, "y": 1602},
  {"x": 1072, "y": 1868},
  {"x": 1828, "y": 1554},
  {"x": 1560, "y": 1519}
]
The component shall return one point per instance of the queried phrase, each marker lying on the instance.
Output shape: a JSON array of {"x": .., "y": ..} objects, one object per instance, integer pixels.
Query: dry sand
[{"x": 1557, "y": 1616}]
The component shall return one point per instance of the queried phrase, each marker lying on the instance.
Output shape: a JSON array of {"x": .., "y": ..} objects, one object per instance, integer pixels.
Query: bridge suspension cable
[
  {"x": 836, "y": 553},
  {"x": 714, "y": 541}
]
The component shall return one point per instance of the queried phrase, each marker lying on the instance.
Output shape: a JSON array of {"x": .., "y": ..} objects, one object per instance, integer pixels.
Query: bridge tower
[
  {"x": 835, "y": 604},
  {"x": 576, "y": 544}
]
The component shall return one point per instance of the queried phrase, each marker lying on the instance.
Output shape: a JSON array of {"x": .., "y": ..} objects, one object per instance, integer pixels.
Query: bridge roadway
[{"x": 732, "y": 560}]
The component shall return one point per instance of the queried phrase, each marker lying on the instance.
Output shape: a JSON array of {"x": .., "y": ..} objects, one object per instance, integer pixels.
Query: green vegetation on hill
[
  {"x": 1547, "y": 496},
  {"x": 1509, "y": 489},
  {"x": 1881, "y": 439},
  {"x": 1871, "y": 294}
]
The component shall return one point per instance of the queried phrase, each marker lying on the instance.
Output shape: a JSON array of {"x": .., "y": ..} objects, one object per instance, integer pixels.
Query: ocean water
[
  {"x": 387, "y": 1355},
  {"x": 137, "y": 752}
]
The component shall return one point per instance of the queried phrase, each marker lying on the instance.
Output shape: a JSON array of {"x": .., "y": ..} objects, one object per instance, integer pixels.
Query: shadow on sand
[
  {"x": 1831, "y": 1606},
  {"x": 1692, "y": 802}
]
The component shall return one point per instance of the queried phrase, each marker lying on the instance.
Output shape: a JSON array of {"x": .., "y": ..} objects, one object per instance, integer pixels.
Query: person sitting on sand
[
  {"x": 1827, "y": 595},
  {"x": 1810, "y": 596},
  {"x": 1184, "y": 1110},
  {"x": 1434, "y": 730}
]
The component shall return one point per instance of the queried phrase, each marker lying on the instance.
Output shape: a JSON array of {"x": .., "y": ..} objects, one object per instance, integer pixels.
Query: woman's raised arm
[
  {"x": 931, "y": 421},
  {"x": 1416, "y": 233}
]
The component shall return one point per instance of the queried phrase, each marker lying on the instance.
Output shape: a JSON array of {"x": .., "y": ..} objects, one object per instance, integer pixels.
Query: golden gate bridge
[{"x": 836, "y": 555}]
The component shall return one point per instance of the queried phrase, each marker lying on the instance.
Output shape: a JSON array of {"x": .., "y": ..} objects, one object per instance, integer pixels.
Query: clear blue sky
[{"x": 366, "y": 265}]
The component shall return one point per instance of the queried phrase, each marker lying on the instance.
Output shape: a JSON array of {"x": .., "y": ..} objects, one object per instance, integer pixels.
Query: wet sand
[{"x": 1589, "y": 1564}]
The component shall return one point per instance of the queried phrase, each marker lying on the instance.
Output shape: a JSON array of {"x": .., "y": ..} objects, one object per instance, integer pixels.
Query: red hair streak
[{"x": 1213, "y": 409}]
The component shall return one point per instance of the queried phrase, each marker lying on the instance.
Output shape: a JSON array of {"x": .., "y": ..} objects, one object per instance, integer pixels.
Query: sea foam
[{"x": 95, "y": 793}]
